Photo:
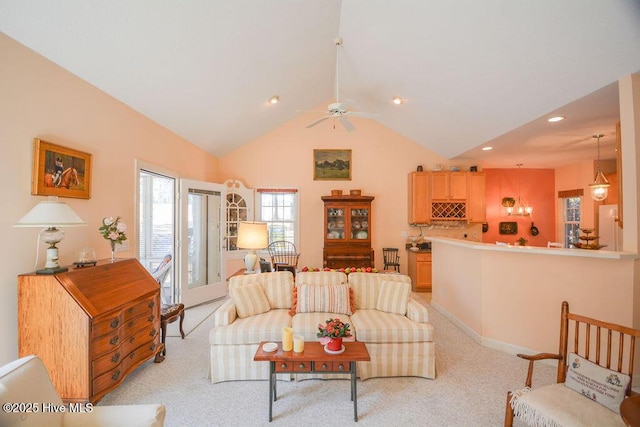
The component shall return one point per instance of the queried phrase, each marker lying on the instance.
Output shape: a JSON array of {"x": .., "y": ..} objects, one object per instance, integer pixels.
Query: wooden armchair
[
  {"x": 604, "y": 344},
  {"x": 283, "y": 255}
]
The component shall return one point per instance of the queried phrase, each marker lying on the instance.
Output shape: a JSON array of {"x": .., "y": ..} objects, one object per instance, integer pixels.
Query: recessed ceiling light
[
  {"x": 555, "y": 119},
  {"x": 397, "y": 100},
  {"x": 274, "y": 99},
  {"x": 487, "y": 148}
]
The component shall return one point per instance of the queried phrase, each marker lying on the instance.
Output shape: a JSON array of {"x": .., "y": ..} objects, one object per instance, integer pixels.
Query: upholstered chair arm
[
  {"x": 226, "y": 314},
  {"x": 532, "y": 358},
  {"x": 151, "y": 415},
  {"x": 417, "y": 312}
]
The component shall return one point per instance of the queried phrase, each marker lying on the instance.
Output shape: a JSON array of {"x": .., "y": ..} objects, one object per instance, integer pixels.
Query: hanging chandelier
[
  {"x": 600, "y": 186},
  {"x": 517, "y": 207}
]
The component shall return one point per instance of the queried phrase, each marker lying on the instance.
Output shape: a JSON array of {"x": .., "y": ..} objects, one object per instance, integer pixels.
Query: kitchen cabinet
[
  {"x": 90, "y": 326},
  {"x": 448, "y": 186},
  {"x": 476, "y": 204},
  {"x": 446, "y": 196},
  {"x": 347, "y": 231},
  {"x": 420, "y": 269},
  {"x": 419, "y": 207}
]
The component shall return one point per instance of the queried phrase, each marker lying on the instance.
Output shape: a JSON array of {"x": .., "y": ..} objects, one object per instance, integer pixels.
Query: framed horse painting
[{"x": 60, "y": 171}]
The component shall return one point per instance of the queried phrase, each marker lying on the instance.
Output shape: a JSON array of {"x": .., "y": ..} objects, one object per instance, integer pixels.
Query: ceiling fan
[{"x": 338, "y": 110}]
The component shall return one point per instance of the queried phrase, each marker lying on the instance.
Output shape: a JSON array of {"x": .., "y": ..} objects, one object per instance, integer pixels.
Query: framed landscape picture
[
  {"x": 60, "y": 171},
  {"x": 331, "y": 164}
]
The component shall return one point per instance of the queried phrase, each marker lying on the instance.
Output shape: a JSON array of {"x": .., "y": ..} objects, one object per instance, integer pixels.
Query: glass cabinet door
[
  {"x": 359, "y": 223},
  {"x": 335, "y": 224},
  {"x": 236, "y": 213}
]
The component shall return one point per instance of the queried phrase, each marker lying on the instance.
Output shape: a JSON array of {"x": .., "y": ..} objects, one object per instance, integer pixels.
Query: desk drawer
[
  {"x": 283, "y": 366},
  {"x": 332, "y": 366}
]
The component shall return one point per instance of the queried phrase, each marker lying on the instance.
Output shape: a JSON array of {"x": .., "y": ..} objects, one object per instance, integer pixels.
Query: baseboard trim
[{"x": 489, "y": 342}]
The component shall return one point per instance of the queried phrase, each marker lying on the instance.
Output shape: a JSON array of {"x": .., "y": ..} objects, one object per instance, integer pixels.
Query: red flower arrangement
[{"x": 333, "y": 328}]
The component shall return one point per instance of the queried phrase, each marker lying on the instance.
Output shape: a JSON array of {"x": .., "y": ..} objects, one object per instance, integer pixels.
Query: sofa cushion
[
  {"x": 252, "y": 330},
  {"x": 393, "y": 297},
  {"x": 306, "y": 324},
  {"x": 249, "y": 300},
  {"x": 602, "y": 385},
  {"x": 366, "y": 287},
  {"x": 276, "y": 286},
  {"x": 380, "y": 327},
  {"x": 321, "y": 278},
  {"x": 323, "y": 298}
]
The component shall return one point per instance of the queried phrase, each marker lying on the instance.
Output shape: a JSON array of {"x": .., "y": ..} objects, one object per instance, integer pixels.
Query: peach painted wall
[
  {"x": 381, "y": 161},
  {"x": 40, "y": 99},
  {"x": 537, "y": 188}
]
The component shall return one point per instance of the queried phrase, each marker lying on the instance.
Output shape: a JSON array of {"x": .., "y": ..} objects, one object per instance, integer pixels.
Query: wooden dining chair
[
  {"x": 595, "y": 364},
  {"x": 169, "y": 313},
  {"x": 391, "y": 258},
  {"x": 284, "y": 255}
]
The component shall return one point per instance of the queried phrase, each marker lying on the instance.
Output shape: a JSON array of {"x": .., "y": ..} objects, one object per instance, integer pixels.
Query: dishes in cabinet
[
  {"x": 362, "y": 235},
  {"x": 355, "y": 224},
  {"x": 364, "y": 224},
  {"x": 333, "y": 235}
]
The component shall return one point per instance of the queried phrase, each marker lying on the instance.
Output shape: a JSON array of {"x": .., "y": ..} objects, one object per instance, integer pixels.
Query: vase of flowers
[
  {"x": 332, "y": 333},
  {"x": 114, "y": 231}
]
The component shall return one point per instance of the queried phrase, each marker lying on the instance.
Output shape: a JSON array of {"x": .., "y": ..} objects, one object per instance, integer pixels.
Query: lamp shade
[
  {"x": 50, "y": 213},
  {"x": 253, "y": 235}
]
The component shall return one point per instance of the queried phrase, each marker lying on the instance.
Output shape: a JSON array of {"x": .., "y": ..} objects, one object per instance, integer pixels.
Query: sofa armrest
[
  {"x": 148, "y": 415},
  {"x": 417, "y": 312},
  {"x": 226, "y": 314}
]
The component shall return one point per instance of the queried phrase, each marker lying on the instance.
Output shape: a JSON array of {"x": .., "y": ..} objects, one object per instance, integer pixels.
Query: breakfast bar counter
[{"x": 507, "y": 297}]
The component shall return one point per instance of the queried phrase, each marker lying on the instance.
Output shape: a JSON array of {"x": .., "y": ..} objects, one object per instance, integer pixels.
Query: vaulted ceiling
[{"x": 471, "y": 72}]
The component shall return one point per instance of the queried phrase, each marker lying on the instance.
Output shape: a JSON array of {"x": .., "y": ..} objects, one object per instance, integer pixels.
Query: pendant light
[
  {"x": 520, "y": 207},
  {"x": 600, "y": 186}
]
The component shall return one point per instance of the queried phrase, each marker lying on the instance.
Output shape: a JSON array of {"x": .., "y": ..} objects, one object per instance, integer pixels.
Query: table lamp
[
  {"x": 51, "y": 214},
  {"x": 252, "y": 236}
]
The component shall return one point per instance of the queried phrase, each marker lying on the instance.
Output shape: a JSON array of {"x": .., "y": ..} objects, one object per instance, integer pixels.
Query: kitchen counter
[{"x": 509, "y": 297}]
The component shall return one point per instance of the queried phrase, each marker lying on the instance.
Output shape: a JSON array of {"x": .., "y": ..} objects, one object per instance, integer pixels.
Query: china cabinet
[
  {"x": 90, "y": 326},
  {"x": 347, "y": 231}
]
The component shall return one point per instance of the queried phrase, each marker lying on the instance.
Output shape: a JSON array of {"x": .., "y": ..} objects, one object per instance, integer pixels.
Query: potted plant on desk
[{"x": 331, "y": 334}]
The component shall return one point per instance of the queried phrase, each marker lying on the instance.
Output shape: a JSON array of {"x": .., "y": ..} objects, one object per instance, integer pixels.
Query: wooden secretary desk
[{"x": 90, "y": 326}]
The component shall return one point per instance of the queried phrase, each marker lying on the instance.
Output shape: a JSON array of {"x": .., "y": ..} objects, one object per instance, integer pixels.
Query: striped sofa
[{"x": 383, "y": 315}]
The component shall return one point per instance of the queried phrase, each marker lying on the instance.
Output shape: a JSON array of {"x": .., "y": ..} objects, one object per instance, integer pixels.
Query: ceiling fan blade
[
  {"x": 363, "y": 114},
  {"x": 317, "y": 121},
  {"x": 346, "y": 123}
]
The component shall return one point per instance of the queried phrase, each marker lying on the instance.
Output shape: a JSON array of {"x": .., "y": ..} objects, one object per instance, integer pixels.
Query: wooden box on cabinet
[
  {"x": 420, "y": 269},
  {"x": 90, "y": 326},
  {"x": 347, "y": 231}
]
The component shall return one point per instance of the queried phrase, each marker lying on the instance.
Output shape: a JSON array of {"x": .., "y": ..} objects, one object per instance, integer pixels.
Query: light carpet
[
  {"x": 193, "y": 317},
  {"x": 469, "y": 390}
]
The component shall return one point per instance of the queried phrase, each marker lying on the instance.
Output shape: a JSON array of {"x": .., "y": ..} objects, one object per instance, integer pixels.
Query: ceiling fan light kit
[{"x": 338, "y": 110}]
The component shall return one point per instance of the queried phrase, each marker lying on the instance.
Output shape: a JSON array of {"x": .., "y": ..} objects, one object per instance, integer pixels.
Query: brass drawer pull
[
  {"x": 114, "y": 340},
  {"x": 151, "y": 304},
  {"x": 115, "y": 358},
  {"x": 132, "y": 339},
  {"x": 133, "y": 353},
  {"x": 130, "y": 324},
  {"x": 153, "y": 332},
  {"x": 324, "y": 366},
  {"x": 151, "y": 318},
  {"x": 301, "y": 366},
  {"x": 130, "y": 309},
  {"x": 341, "y": 367},
  {"x": 114, "y": 323},
  {"x": 152, "y": 346},
  {"x": 115, "y": 375},
  {"x": 283, "y": 366}
]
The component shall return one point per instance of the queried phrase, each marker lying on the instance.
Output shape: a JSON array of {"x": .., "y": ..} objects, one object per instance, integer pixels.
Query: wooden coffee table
[{"x": 313, "y": 360}]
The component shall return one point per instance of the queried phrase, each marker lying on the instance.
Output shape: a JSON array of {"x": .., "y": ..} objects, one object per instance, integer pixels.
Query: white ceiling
[{"x": 471, "y": 72}]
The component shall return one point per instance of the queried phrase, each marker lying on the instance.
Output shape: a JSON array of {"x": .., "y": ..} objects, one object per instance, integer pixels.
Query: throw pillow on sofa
[
  {"x": 250, "y": 300},
  {"x": 325, "y": 299},
  {"x": 393, "y": 297}
]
